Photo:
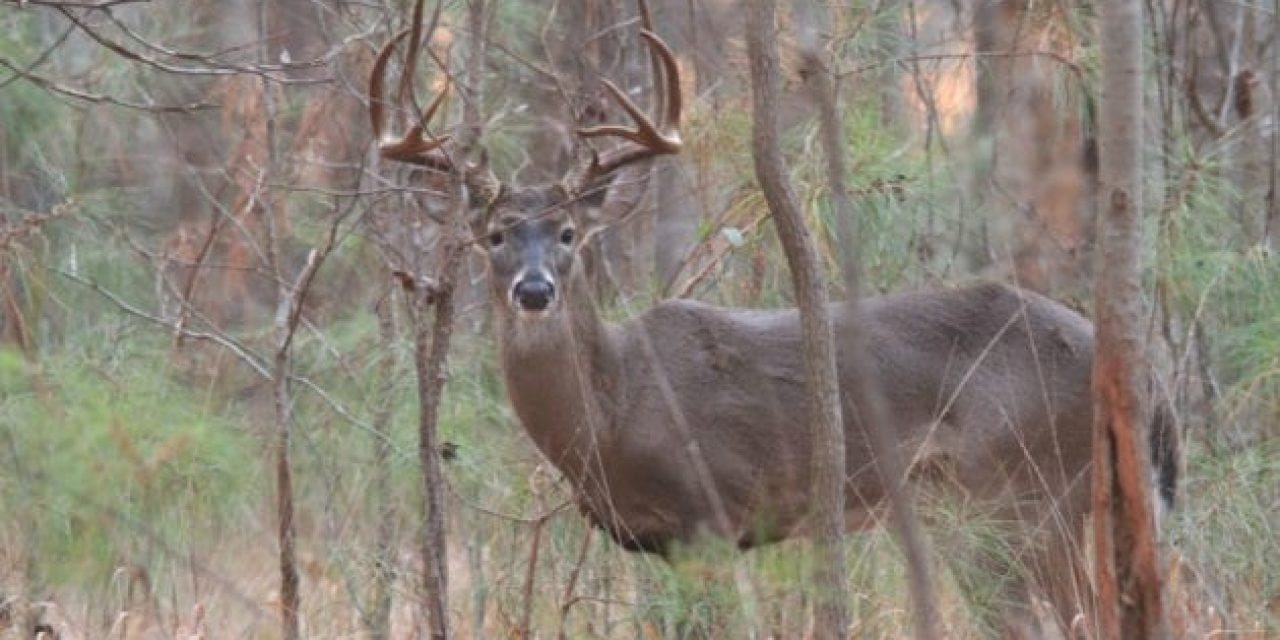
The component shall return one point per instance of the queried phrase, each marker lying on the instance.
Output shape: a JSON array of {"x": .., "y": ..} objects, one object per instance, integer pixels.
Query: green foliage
[
  {"x": 1228, "y": 286},
  {"x": 110, "y": 458},
  {"x": 1227, "y": 524}
]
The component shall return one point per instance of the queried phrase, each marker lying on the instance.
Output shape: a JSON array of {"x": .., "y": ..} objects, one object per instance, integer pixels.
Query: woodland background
[{"x": 172, "y": 173}]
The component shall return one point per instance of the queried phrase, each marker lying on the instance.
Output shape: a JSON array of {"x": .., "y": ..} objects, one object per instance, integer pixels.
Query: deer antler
[
  {"x": 415, "y": 146},
  {"x": 647, "y": 138}
]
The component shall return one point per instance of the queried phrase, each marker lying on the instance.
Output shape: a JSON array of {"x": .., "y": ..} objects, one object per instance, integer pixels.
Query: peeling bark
[{"x": 1127, "y": 569}]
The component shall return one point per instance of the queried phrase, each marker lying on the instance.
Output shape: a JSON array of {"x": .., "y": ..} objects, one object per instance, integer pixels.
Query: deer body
[{"x": 623, "y": 409}]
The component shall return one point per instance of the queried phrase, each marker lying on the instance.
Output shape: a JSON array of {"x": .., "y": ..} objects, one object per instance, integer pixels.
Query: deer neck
[{"x": 561, "y": 374}]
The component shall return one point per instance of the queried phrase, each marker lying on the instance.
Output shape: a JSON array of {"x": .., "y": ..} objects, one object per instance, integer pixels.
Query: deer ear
[
  {"x": 585, "y": 207},
  {"x": 613, "y": 199},
  {"x": 478, "y": 223},
  {"x": 608, "y": 198},
  {"x": 591, "y": 217},
  {"x": 483, "y": 191},
  {"x": 483, "y": 187},
  {"x": 579, "y": 187},
  {"x": 594, "y": 195}
]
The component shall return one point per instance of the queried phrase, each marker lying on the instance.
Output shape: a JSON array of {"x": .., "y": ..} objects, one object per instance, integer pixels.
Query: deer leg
[
  {"x": 998, "y": 554},
  {"x": 1049, "y": 555},
  {"x": 702, "y": 590},
  {"x": 1058, "y": 563},
  {"x": 985, "y": 561},
  {"x": 978, "y": 522}
]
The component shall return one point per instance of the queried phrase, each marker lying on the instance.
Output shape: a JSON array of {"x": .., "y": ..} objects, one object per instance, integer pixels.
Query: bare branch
[
  {"x": 98, "y": 98},
  {"x": 241, "y": 352}
]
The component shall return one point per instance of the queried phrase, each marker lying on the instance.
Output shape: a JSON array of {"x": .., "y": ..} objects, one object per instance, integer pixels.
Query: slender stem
[
  {"x": 867, "y": 394},
  {"x": 827, "y": 432}
]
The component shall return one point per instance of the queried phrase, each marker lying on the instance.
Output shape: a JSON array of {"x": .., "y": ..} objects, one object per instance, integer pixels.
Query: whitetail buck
[{"x": 689, "y": 419}]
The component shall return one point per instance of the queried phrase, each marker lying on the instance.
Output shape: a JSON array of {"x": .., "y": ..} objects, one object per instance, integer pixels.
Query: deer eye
[
  {"x": 496, "y": 239},
  {"x": 567, "y": 236}
]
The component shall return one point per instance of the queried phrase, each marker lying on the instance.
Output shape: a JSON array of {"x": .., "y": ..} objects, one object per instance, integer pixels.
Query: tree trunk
[
  {"x": 286, "y": 533},
  {"x": 377, "y": 610},
  {"x": 827, "y": 431},
  {"x": 432, "y": 342},
  {"x": 1035, "y": 182},
  {"x": 871, "y": 413},
  {"x": 1127, "y": 568},
  {"x": 431, "y": 349}
]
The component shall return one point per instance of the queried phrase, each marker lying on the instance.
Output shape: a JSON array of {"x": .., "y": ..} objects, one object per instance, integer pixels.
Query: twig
[
  {"x": 716, "y": 259},
  {"x": 98, "y": 98},
  {"x": 40, "y": 59},
  {"x": 31, "y": 223},
  {"x": 526, "y": 613},
  {"x": 188, "y": 289},
  {"x": 75, "y": 4},
  {"x": 1070, "y": 64},
  {"x": 238, "y": 350},
  {"x": 567, "y": 600},
  {"x": 263, "y": 69}
]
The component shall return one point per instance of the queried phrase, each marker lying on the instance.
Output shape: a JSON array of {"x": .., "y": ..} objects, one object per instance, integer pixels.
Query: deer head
[{"x": 532, "y": 235}]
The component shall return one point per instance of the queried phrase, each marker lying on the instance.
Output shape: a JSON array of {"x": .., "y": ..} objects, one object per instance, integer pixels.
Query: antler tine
[
  {"x": 648, "y": 139},
  {"x": 655, "y": 64},
  {"x": 413, "y": 147},
  {"x": 672, "y": 99},
  {"x": 378, "y": 82}
]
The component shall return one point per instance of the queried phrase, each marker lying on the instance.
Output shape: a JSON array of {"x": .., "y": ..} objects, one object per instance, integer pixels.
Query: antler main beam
[
  {"x": 414, "y": 147},
  {"x": 646, "y": 138}
]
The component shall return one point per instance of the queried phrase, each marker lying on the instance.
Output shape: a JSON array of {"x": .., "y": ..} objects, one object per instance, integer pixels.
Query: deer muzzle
[{"x": 533, "y": 292}]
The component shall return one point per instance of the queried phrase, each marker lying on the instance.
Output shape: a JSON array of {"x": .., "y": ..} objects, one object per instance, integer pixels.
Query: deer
[{"x": 687, "y": 421}]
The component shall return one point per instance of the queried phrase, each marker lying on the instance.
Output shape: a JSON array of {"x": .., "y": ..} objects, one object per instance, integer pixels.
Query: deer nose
[{"x": 534, "y": 295}]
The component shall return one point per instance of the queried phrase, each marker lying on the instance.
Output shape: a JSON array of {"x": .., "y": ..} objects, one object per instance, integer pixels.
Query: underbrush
[
  {"x": 135, "y": 493},
  {"x": 112, "y": 463}
]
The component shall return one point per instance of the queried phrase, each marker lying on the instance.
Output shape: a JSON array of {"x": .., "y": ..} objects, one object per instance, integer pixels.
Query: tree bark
[
  {"x": 432, "y": 342},
  {"x": 866, "y": 392},
  {"x": 286, "y": 533},
  {"x": 377, "y": 610},
  {"x": 431, "y": 350},
  {"x": 1125, "y": 551},
  {"x": 827, "y": 432},
  {"x": 1033, "y": 179}
]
